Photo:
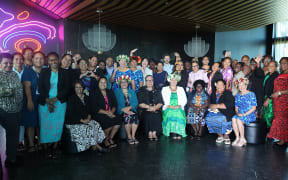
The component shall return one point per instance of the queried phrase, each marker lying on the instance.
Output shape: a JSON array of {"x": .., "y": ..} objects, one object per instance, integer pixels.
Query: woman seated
[
  {"x": 103, "y": 109},
  {"x": 150, "y": 100},
  {"x": 127, "y": 107},
  {"x": 84, "y": 131},
  {"x": 198, "y": 103},
  {"x": 219, "y": 118},
  {"x": 245, "y": 106},
  {"x": 174, "y": 119}
]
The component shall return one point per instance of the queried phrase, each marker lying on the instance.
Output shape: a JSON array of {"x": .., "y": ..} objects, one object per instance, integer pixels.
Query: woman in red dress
[{"x": 279, "y": 128}]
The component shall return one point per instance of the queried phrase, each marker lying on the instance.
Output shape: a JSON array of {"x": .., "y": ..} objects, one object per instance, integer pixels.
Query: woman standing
[
  {"x": 227, "y": 72},
  {"x": 279, "y": 128},
  {"x": 196, "y": 74},
  {"x": 145, "y": 69},
  {"x": 160, "y": 77},
  {"x": 179, "y": 69},
  {"x": 127, "y": 103},
  {"x": 214, "y": 76},
  {"x": 138, "y": 74},
  {"x": 11, "y": 96},
  {"x": 84, "y": 131},
  {"x": 53, "y": 87},
  {"x": 268, "y": 91},
  {"x": 219, "y": 118},
  {"x": 174, "y": 119},
  {"x": 88, "y": 78},
  {"x": 122, "y": 70},
  {"x": 150, "y": 100},
  {"x": 198, "y": 103},
  {"x": 30, "y": 116},
  {"x": 103, "y": 108},
  {"x": 245, "y": 107}
]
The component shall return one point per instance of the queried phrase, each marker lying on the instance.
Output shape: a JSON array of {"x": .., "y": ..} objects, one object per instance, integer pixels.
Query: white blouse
[{"x": 166, "y": 94}]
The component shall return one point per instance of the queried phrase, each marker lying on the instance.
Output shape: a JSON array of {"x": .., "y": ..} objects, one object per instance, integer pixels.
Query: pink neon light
[
  {"x": 54, "y": 3},
  {"x": 9, "y": 14},
  {"x": 23, "y": 18},
  {"x": 48, "y": 27},
  {"x": 43, "y": 2},
  {"x": 34, "y": 1},
  {"x": 61, "y": 32}
]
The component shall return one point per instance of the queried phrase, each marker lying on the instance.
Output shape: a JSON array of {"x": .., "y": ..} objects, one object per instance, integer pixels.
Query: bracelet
[{"x": 279, "y": 93}]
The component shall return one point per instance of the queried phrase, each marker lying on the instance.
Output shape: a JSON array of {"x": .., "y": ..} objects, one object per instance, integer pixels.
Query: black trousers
[{"x": 10, "y": 122}]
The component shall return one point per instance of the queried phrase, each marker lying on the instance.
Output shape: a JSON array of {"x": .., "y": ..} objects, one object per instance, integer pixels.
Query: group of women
[{"x": 93, "y": 100}]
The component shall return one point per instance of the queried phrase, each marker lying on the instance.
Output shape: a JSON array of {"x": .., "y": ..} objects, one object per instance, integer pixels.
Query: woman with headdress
[
  {"x": 245, "y": 107},
  {"x": 174, "y": 97},
  {"x": 122, "y": 70},
  {"x": 127, "y": 103}
]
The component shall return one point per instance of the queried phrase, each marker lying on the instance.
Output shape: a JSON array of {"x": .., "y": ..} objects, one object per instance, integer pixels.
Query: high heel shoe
[
  {"x": 242, "y": 142},
  {"x": 235, "y": 142}
]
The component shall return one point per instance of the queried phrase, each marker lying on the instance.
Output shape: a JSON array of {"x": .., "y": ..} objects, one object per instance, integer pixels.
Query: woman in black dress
[
  {"x": 84, "y": 131},
  {"x": 103, "y": 108},
  {"x": 150, "y": 100}
]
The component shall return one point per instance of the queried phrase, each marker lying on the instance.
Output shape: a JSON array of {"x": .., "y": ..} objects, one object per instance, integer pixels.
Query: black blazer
[
  {"x": 269, "y": 84},
  {"x": 76, "y": 110},
  {"x": 63, "y": 86},
  {"x": 255, "y": 85},
  {"x": 215, "y": 78},
  {"x": 97, "y": 102},
  {"x": 184, "y": 79},
  {"x": 143, "y": 96},
  {"x": 228, "y": 99}
]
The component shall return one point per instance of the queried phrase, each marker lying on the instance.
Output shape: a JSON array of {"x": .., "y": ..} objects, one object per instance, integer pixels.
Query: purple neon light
[
  {"x": 48, "y": 27},
  {"x": 7, "y": 13},
  {"x": 21, "y": 33}
]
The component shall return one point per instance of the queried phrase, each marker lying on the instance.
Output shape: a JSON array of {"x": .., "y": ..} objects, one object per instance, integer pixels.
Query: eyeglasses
[
  {"x": 195, "y": 66},
  {"x": 149, "y": 80}
]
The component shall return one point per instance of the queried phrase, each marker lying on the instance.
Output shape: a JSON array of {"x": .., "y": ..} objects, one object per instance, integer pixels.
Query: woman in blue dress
[
  {"x": 245, "y": 106},
  {"x": 30, "y": 117},
  {"x": 122, "y": 70},
  {"x": 54, "y": 86},
  {"x": 160, "y": 77},
  {"x": 138, "y": 75}
]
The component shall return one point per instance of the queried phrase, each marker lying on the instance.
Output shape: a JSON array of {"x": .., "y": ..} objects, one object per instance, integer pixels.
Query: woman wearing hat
[
  {"x": 174, "y": 97},
  {"x": 122, "y": 70},
  {"x": 127, "y": 103}
]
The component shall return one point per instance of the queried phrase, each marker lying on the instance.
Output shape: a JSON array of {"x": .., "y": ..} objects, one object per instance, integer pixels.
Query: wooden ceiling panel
[{"x": 171, "y": 15}]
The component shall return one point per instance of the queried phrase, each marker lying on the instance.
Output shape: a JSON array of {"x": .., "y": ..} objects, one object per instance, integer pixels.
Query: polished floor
[{"x": 163, "y": 160}]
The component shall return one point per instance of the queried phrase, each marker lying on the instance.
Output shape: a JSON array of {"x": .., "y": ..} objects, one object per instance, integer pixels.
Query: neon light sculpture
[
  {"x": 6, "y": 20},
  {"x": 22, "y": 31},
  {"x": 19, "y": 16},
  {"x": 21, "y": 41}
]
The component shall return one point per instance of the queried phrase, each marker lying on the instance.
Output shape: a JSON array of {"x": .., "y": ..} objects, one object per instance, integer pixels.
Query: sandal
[
  {"x": 227, "y": 141},
  {"x": 130, "y": 141},
  {"x": 219, "y": 140},
  {"x": 136, "y": 141},
  {"x": 112, "y": 144}
]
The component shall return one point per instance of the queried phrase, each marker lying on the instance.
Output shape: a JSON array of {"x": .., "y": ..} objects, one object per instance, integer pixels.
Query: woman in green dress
[{"x": 174, "y": 119}]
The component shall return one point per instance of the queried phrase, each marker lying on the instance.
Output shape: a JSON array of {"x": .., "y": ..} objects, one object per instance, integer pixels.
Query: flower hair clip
[
  {"x": 240, "y": 80},
  {"x": 123, "y": 77}
]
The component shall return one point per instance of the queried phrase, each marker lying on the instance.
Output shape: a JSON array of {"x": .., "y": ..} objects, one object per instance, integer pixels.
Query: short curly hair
[{"x": 201, "y": 82}]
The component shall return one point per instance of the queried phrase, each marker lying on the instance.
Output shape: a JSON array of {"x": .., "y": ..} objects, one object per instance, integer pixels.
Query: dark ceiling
[{"x": 171, "y": 15}]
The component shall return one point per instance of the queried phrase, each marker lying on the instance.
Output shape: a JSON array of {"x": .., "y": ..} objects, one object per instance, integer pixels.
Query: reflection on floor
[{"x": 166, "y": 159}]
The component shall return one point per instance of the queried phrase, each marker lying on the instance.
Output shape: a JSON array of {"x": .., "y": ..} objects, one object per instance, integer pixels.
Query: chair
[{"x": 255, "y": 132}]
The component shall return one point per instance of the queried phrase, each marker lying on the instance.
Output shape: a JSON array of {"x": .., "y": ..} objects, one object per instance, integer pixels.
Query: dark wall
[{"x": 149, "y": 43}]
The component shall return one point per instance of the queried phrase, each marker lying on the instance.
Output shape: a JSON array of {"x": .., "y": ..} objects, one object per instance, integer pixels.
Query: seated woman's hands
[
  {"x": 110, "y": 114},
  {"x": 174, "y": 107},
  {"x": 127, "y": 110},
  {"x": 85, "y": 121}
]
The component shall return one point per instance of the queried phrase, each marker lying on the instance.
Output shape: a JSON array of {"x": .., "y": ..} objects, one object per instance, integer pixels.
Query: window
[{"x": 280, "y": 40}]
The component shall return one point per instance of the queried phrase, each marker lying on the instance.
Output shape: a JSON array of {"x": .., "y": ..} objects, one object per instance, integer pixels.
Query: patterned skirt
[
  {"x": 86, "y": 135},
  {"x": 174, "y": 121},
  {"x": 196, "y": 118},
  {"x": 216, "y": 123}
]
